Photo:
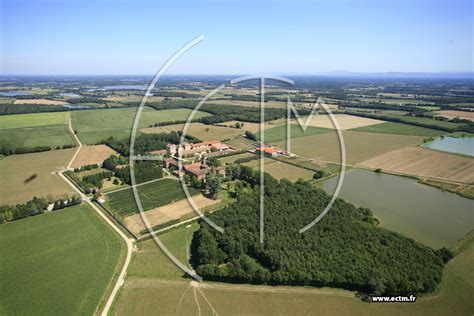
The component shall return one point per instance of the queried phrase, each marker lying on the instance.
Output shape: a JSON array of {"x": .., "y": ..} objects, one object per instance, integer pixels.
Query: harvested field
[
  {"x": 424, "y": 162},
  {"x": 114, "y": 99},
  {"x": 39, "y": 101},
  {"x": 28, "y": 175},
  {"x": 359, "y": 146},
  {"x": 89, "y": 155},
  {"x": 166, "y": 213},
  {"x": 345, "y": 121},
  {"x": 199, "y": 130},
  {"x": 280, "y": 170},
  {"x": 453, "y": 114}
]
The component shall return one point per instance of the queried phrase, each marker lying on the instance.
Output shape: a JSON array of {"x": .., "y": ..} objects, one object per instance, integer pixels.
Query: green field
[
  {"x": 93, "y": 126},
  {"x": 199, "y": 130},
  {"x": 278, "y": 133},
  {"x": 281, "y": 170},
  {"x": 57, "y": 263},
  {"x": 15, "y": 170},
  {"x": 155, "y": 285},
  {"x": 151, "y": 195},
  {"x": 32, "y": 120},
  {"x": 38, "y": 129},
  {"x": 426, "y": 120},
  {"x": 400, "y": 129}
]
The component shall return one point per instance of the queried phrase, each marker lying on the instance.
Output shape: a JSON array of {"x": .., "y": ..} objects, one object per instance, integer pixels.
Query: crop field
[
  {"x": 89, "y": 155},
  {"x": 155, "y": 285},
  {"x": 28, "y": 175},
  {"x": 278, "y": 133},
  {"x": 280, "y": 170},
  {"x": 199, "y": 130},
  {"x": 39, "y": 101},
  {"x": 241, "y": 143},
  {"x": 344, "y": 121},
  {"x": 453, "y": 114},
  {"x": 57, "y": 263},
  {"x": 93, "y": 126},
  {"x": 425, "y": 162},
  {"x": 400, "y": 129},
  {"x": 166, "y": 213},
  {"x": 359, "y": 146},
  {"x": 38, "y": 129},
  {"x": 231, "y": 159},
  {"x": 152, "y": 195}
]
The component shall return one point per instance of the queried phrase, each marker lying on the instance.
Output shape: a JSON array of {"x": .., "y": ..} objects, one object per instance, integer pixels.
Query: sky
[{"x": 241, "y": 37}]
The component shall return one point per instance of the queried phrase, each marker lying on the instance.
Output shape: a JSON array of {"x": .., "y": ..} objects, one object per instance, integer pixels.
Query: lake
[
  {"x": 459, "y": 145},
  {"x": 120, "y": 87},
  {"x": 426, "y": 214},
  {"x": 14, "y": 94}
]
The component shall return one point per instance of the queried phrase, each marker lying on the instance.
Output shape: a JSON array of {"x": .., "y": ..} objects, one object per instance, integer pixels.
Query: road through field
[{"x": 128, "y": 241}]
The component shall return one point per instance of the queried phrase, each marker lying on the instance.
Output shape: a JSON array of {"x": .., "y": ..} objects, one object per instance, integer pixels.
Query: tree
[
  {"x": 213, "y": 162},
  {"x": 319, "y": 174},
  {"x": 250, "y": 135},
  {"x": 445, "y": 254},
  {"x": 213, "y": 185}
]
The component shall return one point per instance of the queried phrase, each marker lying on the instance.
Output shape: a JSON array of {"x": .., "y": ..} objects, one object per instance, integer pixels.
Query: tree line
[{"x": 33, "y": 207}]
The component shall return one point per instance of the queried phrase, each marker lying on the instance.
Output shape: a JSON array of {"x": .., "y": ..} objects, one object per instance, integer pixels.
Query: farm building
[{"x": 268, "y": 151}]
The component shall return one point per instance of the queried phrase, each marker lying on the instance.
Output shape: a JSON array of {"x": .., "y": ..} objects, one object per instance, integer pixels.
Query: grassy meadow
[
  {"x": 57, "y": 263},
  {"x": 155, "y": 285},
  {"x": 37, "y": 129},
  {"x": 400, "y": 129},
  {"x": 280, "y": 170},
  {"x": 93, "y": 126},
  {"x": 153, "y": 194},
  {"x": 28, "y": 175}
]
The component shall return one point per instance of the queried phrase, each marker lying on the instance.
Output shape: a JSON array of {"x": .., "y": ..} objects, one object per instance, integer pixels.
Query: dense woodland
[{"x": 345, "y": 249}]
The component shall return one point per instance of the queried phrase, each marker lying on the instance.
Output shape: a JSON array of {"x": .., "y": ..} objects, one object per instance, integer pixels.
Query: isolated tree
[
  {"x": 213, "y": 185},
  {"x": 250, "y": 135}
]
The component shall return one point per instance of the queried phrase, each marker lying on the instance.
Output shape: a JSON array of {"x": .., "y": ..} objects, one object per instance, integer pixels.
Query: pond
[
  {"x": 426, "y": 214},
  {"x": 458, "y": 145}
]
